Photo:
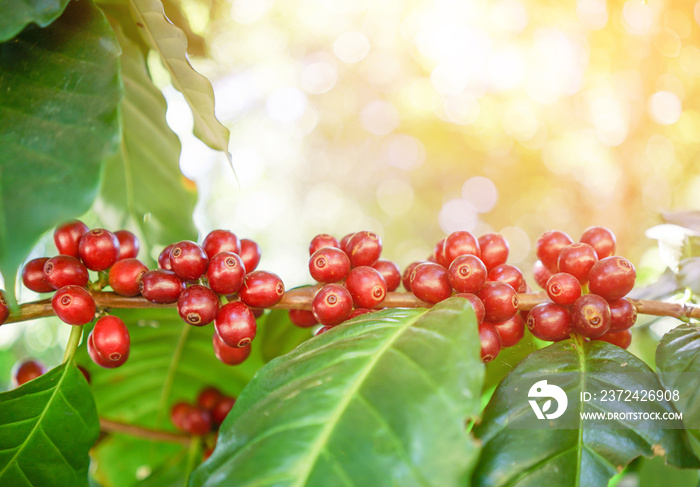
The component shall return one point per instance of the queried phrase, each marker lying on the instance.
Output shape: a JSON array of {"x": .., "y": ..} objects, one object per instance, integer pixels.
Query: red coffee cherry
[
  {"x": 208, "y": 397},
  {"x": 390, "y": 272},
  {"x": 125, "y": 277},
  {"x": 178, "y": 413},
  {"x": 225, "y": 273},
  {"x": 406, "y": 276},
  {"x": 164, "y": 258},
  {"x": 549, "y": 246},
  {"x": 4, "y": 308},
  {"x": 110, "y": 338},
  {"x": 250, "y": 253},
  {"x": 221, "y": 409},
  {"x": 577, "y": 260},
  {"x": 438, "y": 256},
  {"x": 67, "y": 237},
  {"x": 198, "y": 305},
  {"x": 73, "y": 305},
  {"x": 490, "y": 342},
  {"x": 302, "y": 318},
  {"x": 98, "y": 360},
  {"x": 221, "y": 241},
  {"x": 162, "y": 287},
  {"x": 620, "y": 338},
  {"x": 323, "y": 240},
  {"x": 430, "y": 282},
  {"x": 601, "y": 239},
  {"x": 343, "y": 244},
  {"x": 329, "y": 264},
  {"x": 590, "y": 316},
  {"x": 541, "y": 274},
  {"x": 367, "y": 287},
  {"x": 564, "y": 289},
  {"x": 197, "y": 421},
  {"x": 64, "y": 270},
  {"x": 261, "y": 289},
  {"x": 494, "y": 250},
  {"x": 98, "y": 249},
  {"x": 28, "y": 370},
  {"x": 510, "y": 275},
  {"x": 511, "y": 331},
  {"x": 500, "y": 300},
  {"x": 129, "y": 244},
  {"x": 188, "y": 260},
  {"x": 33, "y": 276},
  {"x": 477, "y": 304},
  {"x": 549, "y": 322},
  {"x": 612, "y": 278},
  {"x": 467, "y": 273},
  {"x": 364, "y": 249},
  {"x": 332, "y": 305},
  {"x": 229, "y": 355},
  {"x": 235, "y": 324},
  {"x": 623, "y": 315},
  {"x": 460, "y": 243}
]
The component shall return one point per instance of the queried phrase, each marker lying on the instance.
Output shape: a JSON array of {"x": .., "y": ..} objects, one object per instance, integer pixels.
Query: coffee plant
[{"x": 187, "y": 364}]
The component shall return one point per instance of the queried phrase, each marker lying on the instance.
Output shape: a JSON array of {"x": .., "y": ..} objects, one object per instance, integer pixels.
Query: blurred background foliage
[{"x": 415, "y": 119}]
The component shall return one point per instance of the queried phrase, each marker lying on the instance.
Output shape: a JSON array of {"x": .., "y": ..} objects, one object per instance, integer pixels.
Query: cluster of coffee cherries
[
  {"x": 196, "y": 277},
  {"x": 204, "y": 416},
  {"x": 474, "y": 269},
  {"x": 354, "y": 280},
  {"x": 587, "y": 284}
]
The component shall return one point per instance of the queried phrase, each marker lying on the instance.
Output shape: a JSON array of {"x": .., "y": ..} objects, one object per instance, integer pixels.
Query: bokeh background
[{"x": 417, "y": 118}]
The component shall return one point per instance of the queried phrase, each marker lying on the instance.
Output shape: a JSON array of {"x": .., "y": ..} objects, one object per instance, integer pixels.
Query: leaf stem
[
  {"x": 193, "y": 452},
  {"x": 76, "y": 334}
]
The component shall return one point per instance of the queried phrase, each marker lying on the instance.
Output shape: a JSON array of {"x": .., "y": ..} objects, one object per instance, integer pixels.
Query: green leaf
[
  {"x": 17, "y": 14},
  {"x": 48, "y": 427},
  {"x": 653, "y": 473},
  {"x": 379, "y": 401},
  {"x": 171, "y": 44},
  {"x": 585, "y": 456},
  {"x": 142, "y": 184},
  {"x": 277, "y": 335},
  {"x": 122, "y": 461},
  {"x": 59, "y": 93},
  {"x": 169, "y": 361},
  {"x": 678, "y": 366}
]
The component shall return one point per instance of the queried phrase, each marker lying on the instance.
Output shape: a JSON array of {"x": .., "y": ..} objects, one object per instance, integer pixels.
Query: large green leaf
[
  {"x": 48, "y": 426},
  {"x": 678, "y": 366},
  {"x": 381, "y": 400},
  {"x": 171, "y": 44},
  {"x": 169, "y": 361},
  {"x": 17, "y": 14},
  {"x": 142, "y": 183},
  {"x": 59, "y": 93},
  {"x": 589, "y": 454}
]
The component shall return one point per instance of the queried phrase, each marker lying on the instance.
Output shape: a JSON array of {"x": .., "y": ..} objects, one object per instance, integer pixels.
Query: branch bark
[
  {"x": 302, "y": 298},
  {"x": 109, "y": 426}
]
